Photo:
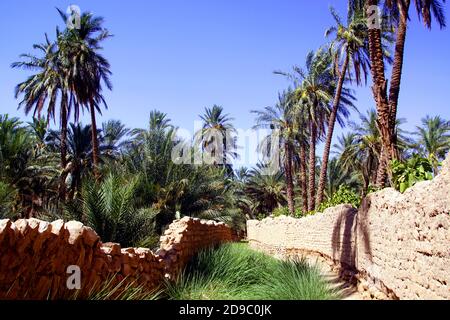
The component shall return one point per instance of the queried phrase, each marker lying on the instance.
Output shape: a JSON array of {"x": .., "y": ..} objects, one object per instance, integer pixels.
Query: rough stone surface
[
  {"x": 35, "y": 256},
  {"x": 397, "y": 246}
]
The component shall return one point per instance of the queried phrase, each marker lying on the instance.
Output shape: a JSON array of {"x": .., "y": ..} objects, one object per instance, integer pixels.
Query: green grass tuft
[{"x": 235, "y": 272}]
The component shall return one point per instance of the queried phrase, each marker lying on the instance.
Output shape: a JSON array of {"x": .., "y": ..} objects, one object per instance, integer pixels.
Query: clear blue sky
[{"x": 179, "y": 56}]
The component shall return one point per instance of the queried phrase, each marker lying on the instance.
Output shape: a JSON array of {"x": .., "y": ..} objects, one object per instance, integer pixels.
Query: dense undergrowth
[{"x": 235, "y": 272}]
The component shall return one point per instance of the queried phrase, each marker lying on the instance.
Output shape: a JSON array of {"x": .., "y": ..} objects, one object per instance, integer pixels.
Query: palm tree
[
  {"x": 280, "y": 118},
  {"x": 116, "y": 137},
  {"x": 301, "y": 140},
  {"x": 87, "y": 68},
  {"x": 170, "y": 189},
  {"x": 79, "y": 155},
  {"x": 314, "y": 89},
  {"x": 400, "y": 11},
  {"x": 349, "y": 46},
  {"x": 338, "y": 175},
  {"x": 109, "y": 208},
  {"x": 41, "y": 90},
  {"x": 267, "y": 192},
  {"x": 26, "y": 168},
  {"x": 387, "y": 105},
  {"x": 434, "y": 139},
  {"x": 360, "y": 150},
  {"x": 217, "y": 136}
]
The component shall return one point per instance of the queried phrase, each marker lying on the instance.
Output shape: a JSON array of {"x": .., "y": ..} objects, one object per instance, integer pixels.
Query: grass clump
[{"x": 235, "y": 272}]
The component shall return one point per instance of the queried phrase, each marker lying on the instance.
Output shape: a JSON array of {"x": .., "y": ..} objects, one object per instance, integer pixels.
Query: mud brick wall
[
  {"x": 396, "y": 244},
  {"x": 35, "y": 256}
]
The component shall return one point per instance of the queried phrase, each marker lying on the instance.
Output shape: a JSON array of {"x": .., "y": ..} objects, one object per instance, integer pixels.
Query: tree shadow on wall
[
  {"x": 362, "y": 223},
  {"x": 345, "y": 239}
]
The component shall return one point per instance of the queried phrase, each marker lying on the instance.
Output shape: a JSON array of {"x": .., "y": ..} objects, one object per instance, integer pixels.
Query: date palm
[
  {"x": 218, "y": 136},
  {"x": 79, "y": 154},
  {"x": 360, "y": 150},
  {"x": 116, "y": 136},
  {"x": 88, "y": 69},
  {"x": 399, "y": 9},
  {"x": 434, "y": 139},
  {"x": 314, "y": 89},
  {"x": 26, "y": 170},
  {"x": 387, "y": 98},
  {"x": 42, "y": 90},
  {"x": 267, "y": 192},
  {"x": 350, "y": 49},
  {"x": 281, "y": 118}
]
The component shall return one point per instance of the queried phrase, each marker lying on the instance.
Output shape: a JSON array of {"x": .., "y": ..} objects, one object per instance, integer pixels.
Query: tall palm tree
[
  {"x": 434, "y": 139},
  {"x": 387, "y": 105},
  {"x": 351, "y": 53},
  {"x": 218, "y": 126},
  {"x": 280, "y": 118},
  {"x": 301, "y": 138},
  {"x": 399, "y": 9},
  {"x": 88, "y": 69},
  {"x": 42, "y": 89},
  {"x": 314, "y": 89}
]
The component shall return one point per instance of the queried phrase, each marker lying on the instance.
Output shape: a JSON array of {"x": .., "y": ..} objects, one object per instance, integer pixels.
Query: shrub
[
  {"x": 284, "y": 211},
  {"x": 407, "y": 174},
  {"x": 281, "y": 211},
  {"x": 344, "y": 195}
]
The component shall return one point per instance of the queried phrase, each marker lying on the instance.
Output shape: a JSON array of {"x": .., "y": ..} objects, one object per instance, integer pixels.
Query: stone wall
[
  {"x": 35, "y": 256},
  {"x": 397, "y": 245}
]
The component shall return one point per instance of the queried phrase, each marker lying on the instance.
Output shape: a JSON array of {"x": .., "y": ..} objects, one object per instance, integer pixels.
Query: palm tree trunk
[
  {"x": 312, "y": 167},
  {"x": 365, "y": 188},
  {"x": 379, "y": 90},
  {"x": 397, "y": 68},
  {"x": 329, "y": 139},
  {"x": 63, "y": 146},
  {"x": 382, "y": 169},
  {"x": 95, "y": 148},
  {"x": 303, "y": 183},
  {"x": 63, "y": 133},
  {"x": 289, "y": 180}
]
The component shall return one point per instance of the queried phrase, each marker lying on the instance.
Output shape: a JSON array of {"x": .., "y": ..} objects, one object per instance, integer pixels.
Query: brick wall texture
[
  {"x": 396, "y": 244},
  {"x": 35, "y": 256}
]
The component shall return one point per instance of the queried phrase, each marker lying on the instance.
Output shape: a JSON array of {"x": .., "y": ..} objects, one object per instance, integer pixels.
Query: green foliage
[
  {"x": 284, "y": 211},
  {"x": 170, "y": 188},
  {"x": 27, "y": 169},
  {"x": 7, "y": 197},
  {"x": 108, "y": 207},
  {"x": 265, "y": 191},
  {"x": 234, "y": 272},
  {"x": 407, "y": 174},
  {"x": 344, "y": 195},
  {"x": 281, "y": 211},
  {"x": 433, "y": 140}
]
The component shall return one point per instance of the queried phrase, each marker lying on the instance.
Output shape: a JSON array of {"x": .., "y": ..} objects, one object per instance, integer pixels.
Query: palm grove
[{"x": 123, "y": 182}]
